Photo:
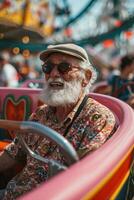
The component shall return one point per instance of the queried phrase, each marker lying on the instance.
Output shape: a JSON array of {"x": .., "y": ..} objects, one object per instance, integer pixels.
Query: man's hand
[{"x": 6, "y": 162}]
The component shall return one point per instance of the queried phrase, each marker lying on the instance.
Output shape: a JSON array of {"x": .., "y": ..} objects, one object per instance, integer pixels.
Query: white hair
[{"x": 87, "y": 66}]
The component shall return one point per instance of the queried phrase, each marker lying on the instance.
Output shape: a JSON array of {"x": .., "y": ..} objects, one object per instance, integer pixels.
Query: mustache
[
  {"x": 66, "y": 96},
  {"x": 55, "y": 80}
]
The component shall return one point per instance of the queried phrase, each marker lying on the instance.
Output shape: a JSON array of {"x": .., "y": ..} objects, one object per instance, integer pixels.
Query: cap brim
[{"x": 45, "y": 54}]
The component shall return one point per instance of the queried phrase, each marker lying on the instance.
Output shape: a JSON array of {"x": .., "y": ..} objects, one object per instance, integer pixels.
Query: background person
[
  {"x": 119, "y": 85},
  {"x": 8, "y": 73}
]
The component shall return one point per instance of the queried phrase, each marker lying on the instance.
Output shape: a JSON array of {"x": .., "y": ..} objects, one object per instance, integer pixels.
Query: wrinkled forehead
[{"x": 61, "y": 57}]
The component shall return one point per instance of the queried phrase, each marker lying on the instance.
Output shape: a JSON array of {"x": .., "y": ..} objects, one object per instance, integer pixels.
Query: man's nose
[{"x": 54, "y": 73}]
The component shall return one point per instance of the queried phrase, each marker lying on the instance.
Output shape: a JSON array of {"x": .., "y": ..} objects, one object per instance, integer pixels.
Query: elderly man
[{"x": 68, "y": 77}]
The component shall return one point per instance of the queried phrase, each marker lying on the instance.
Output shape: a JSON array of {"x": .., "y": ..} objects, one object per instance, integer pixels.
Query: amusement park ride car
[{"x": 103, "y": 174}]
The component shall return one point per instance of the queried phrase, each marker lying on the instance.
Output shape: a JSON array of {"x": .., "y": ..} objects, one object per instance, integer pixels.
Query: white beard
[{"x": 62, "y": 97}]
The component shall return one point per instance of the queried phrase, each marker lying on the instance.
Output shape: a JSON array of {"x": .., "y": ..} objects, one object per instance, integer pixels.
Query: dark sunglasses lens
[
  {"x": 63, "y": 67},
  {"x": 47, "y": 68}
]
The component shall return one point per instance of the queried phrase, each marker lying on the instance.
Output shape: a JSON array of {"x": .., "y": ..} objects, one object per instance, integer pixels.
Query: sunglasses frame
[{"x": 62, "y": 67}]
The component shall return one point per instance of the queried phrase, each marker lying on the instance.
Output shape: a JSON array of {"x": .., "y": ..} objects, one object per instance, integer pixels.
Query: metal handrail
[{"x": 28, "y": 126}]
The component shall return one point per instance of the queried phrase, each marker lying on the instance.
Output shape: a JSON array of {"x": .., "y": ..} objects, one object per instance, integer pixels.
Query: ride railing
[
  {"x": 102, "y": 174},
  {"x": 100, "y": 87}
]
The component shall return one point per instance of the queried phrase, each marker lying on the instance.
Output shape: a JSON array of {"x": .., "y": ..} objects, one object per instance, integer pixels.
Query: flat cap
[{"x": 70, "y": 49}]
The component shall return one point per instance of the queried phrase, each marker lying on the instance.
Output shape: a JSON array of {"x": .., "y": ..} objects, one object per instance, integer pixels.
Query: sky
[{"x": 77, "y": 5}]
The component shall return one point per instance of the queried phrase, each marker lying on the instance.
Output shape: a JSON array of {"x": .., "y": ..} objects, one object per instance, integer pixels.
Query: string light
[
  {"x": 128, "y": 34},
  {"x": 1, "y": 35},
  {"x": 25, "y": 39},
  {"x": 26, "y": 53},
  {"x": 16, "y": 50},
  {"x": 108, "y": 43}
]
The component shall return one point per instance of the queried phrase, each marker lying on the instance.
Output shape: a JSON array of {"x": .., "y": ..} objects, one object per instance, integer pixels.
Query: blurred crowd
[
  {"x": 118, "y": 81},
  {"x": 16, "y": 69}
]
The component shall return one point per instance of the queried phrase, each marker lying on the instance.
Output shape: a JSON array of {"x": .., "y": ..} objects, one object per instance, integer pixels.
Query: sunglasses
[{"x": 62, "y": 67}]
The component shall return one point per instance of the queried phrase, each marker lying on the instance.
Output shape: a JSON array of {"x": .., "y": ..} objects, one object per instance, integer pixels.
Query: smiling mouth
[{"x": 56, "y": 85}]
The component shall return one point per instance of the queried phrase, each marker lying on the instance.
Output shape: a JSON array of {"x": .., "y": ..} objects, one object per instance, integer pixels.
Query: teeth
[{"x": 56, "y": 84}]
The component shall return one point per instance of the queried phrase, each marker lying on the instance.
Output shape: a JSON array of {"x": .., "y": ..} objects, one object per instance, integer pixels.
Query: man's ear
[{"x": 88, "y": 75}]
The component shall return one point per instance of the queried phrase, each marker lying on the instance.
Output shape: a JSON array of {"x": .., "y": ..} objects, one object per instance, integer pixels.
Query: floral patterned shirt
[{"x": 93, "y": 126}]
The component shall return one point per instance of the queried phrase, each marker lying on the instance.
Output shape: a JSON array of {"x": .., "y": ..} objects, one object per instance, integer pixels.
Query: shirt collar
[{"x": 70, "y": 116}]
